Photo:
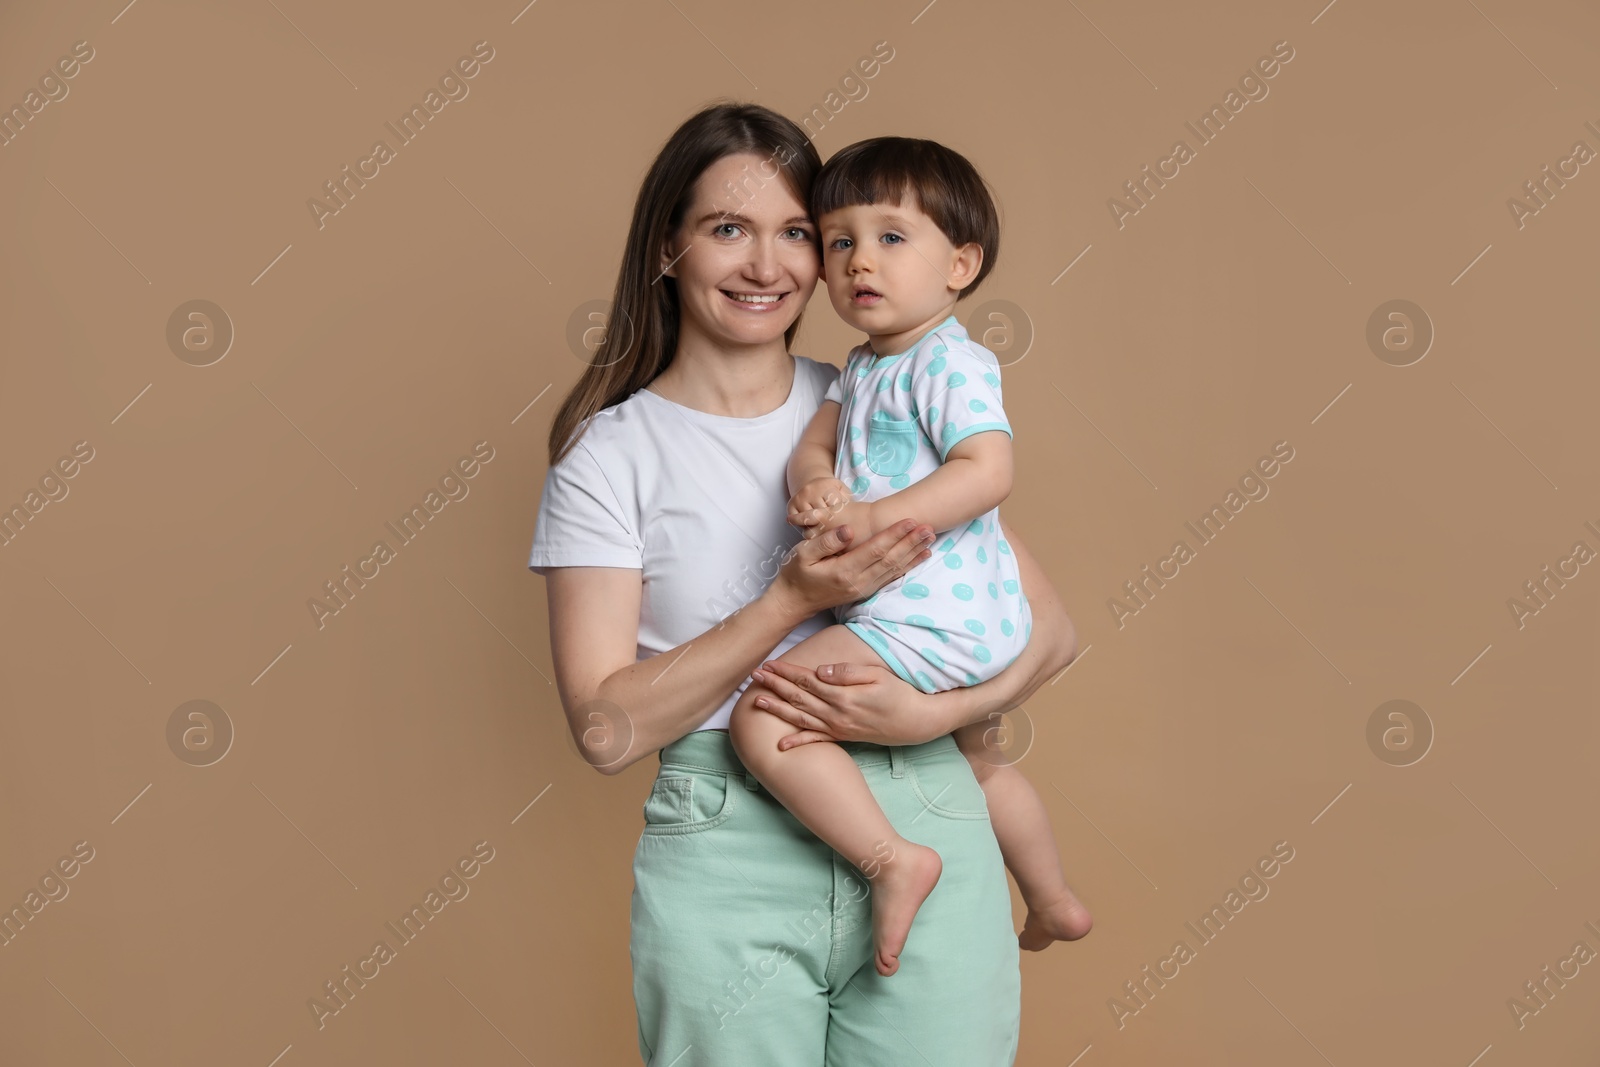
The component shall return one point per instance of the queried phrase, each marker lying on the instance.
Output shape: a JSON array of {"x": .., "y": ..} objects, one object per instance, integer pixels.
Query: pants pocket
[
  {"x": 946, "y": 787},
  {"x": 688, "y": 800}
]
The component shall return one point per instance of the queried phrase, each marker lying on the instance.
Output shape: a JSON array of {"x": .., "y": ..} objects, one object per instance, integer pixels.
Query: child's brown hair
[{"x": 946, "y": 187}]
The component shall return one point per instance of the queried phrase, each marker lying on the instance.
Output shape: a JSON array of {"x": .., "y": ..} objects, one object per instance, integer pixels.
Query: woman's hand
[
  {"x": 848, "y": 702},
  {"x": 825, "y": 571}
]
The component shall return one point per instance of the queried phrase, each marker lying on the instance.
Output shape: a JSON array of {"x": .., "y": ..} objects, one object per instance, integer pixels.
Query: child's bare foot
[
  {"x": 1063, "y": 919},
  {"x": 899, "y": 887}
]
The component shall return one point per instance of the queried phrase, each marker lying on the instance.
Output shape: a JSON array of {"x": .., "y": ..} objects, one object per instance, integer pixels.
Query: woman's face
[{"x": 745, "y": 258}]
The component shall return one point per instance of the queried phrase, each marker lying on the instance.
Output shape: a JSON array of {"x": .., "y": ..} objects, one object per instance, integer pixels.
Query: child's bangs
[{"x": 880, "y": 177}]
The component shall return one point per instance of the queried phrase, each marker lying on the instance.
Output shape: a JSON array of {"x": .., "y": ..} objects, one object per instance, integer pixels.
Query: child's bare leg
[
  {"x": 822, "y": 786},
  {"x": 1028, "y": 845}
]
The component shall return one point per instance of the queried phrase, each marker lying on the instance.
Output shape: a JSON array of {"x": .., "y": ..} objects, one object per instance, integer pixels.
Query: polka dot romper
[{"x": 959, "y": 617}]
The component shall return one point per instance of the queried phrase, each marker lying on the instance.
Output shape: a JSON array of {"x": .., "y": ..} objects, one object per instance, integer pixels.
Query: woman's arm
[
  {"x": 615, "y": 708},
  {"x": 858, "y": 702}
]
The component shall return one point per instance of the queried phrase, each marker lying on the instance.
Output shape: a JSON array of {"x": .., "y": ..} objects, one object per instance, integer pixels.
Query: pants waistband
[{"x": 712, "y": 750}]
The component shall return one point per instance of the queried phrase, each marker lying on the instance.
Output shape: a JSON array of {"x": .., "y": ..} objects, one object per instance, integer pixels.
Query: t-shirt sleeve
[
  {"x": 581, "y": 522},
  {"x": 835, "y": 391},
  {"x": 957, "y": 394}
]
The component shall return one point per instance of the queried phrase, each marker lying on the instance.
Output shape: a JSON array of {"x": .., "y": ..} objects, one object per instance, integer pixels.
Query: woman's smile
[{"x": 756, "y": 302}]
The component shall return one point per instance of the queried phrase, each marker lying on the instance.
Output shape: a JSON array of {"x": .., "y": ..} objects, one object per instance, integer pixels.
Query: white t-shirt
[{"x": 697, "y": 502}]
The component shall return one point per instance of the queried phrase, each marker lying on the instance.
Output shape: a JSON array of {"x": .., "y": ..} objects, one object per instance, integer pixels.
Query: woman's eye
[
  {"x": 725, "y": 226},
  {"x": 800, "y": 233}
]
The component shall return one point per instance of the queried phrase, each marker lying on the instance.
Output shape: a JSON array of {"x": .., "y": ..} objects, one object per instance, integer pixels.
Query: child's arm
[
  {"x": 975, "y": 477},
  {"x": 813, "y": 457}
]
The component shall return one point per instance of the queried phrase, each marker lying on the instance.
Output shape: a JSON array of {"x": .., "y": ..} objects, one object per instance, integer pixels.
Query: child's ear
[{"x": 965, "y": 266}]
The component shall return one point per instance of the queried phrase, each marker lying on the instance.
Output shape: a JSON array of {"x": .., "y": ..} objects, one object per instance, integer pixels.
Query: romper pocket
[
  {"x": 685, "y": 801},
  {"x": 891, "y": 444}
]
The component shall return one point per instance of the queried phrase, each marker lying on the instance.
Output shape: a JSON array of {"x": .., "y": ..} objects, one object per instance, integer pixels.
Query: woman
[{"x": 672, "y": 573}]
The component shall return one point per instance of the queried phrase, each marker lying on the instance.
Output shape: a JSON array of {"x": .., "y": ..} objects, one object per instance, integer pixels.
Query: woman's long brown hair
[{"x": 643, "y": 328}]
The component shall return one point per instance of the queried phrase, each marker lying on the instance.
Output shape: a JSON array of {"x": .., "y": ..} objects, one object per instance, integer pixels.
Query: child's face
[{"x": 889, "y": 268}]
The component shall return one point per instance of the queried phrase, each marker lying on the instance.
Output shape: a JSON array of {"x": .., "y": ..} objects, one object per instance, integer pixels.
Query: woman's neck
[{"x": 740, "y": 383}]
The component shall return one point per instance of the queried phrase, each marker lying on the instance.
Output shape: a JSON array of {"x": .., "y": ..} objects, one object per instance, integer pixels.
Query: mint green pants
[{"x": 752, "y": 940}]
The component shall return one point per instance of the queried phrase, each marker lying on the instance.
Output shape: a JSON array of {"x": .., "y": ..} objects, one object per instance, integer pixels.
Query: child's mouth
[
  {"x": 760, "y": 303},
  {"x": 864, "y": 296}
]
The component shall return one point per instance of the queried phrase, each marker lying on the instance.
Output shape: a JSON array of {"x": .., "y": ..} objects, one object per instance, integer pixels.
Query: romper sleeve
[
  {"x": 835, "y": 393},
  {"x": 957, "y": 394},
  {"x": 581, "y": 522}
]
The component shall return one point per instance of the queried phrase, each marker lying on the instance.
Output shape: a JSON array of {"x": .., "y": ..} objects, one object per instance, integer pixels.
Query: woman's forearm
[{"x": 666, "y": 696}]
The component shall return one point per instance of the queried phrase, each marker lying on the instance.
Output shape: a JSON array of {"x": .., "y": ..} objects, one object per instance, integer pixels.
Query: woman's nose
[{"x": 763, "y": 264}]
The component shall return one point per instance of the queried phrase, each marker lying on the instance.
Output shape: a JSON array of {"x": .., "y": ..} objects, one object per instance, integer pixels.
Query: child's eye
[
  {"x": 840, "y": 243},
  {"x": 892, "y": 238}
]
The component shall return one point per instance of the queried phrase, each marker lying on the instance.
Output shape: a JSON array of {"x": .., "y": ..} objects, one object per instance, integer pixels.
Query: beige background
[{"x": 1229, "y": 314}]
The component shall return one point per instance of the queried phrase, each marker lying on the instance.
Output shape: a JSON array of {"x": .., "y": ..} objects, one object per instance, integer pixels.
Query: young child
[{"x": 908, "y": 227}]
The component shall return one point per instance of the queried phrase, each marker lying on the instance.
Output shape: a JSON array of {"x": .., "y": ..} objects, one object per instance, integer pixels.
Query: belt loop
[
  {"x": 750, "y": 782},
  {"x": 897, "y": 761}
]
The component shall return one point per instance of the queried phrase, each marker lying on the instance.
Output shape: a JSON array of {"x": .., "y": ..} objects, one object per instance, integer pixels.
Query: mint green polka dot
[
  {"x": 983, "y": 557},
  {"x": 981, "y": 653},
  {"x": 949, "y": 543},
  {"x": 905, "y": 380},
  {"x": 921, "y": 620},
  {"x": 1027, "y": 631},
  {"x": 1006, "y": 627},
  {"x": 861, "y": 371},
  {"x": 884, "y": 383},
  {"x": 914, "y": 590},
  {"x": 972, "y": 679},
  {"x": 858, "y": 458},
  {"x": 855, "y": 432},
  {"x": 949, "y": 428},
  {"x": 957, "y": 379},
  {"x": 1005, "y": 548},
  {"x": 899, "y": 481},
  {"x": 952, "y": 560},
  {"x": 887, "y": 625},
  {"x": 975, "y": 626},
  {"x": 860, "y": 484},
  {"x": 992, "y": 378},
  {"x": 913, "y": 409},
  {"x": 923, "y": 681},
  {"x": 936, "y": 366},
  {"x": 876, "y": 640},
  {"x": 962, "y": 590},
  {"x": 975, "y": 405},
  {"x": 975, "y": 526},
  {"x": 934, "y": 658},
  {"x": 940, "y": 348},
  {"x": 933, "y": 413},
  {"x": 994, "y": 591},
  {"x": 1011, "y": 585}
]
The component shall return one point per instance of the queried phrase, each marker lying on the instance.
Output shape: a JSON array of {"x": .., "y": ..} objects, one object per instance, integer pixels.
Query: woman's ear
[
  {"x": 965, "y": 266},
  {"x": 668, "y": 258}
]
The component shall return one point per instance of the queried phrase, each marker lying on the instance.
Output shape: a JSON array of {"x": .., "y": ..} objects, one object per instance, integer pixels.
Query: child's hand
[{"x": 817, "y": 505}]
